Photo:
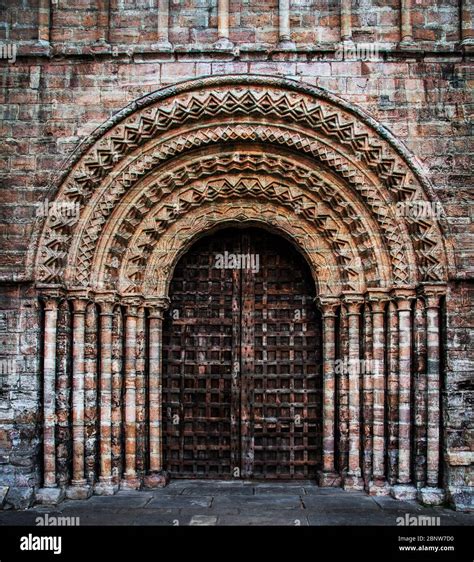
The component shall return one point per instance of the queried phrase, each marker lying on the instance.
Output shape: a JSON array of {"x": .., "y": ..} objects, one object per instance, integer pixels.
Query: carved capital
[
  {"x": 403, "y": 297},
  {"x": 157, "y": 306},
  {"x": 377, "y": 298},
  {"x": 50, "y": 296},
  {"x": 106, "y": 300},
  {"x": 327, "y": 304},
  {"x": 432, "y": 295},
  {"x": 80, "y": 300},
  {"x": 131, "y": 304},
  {"x": 353, "y": 302}
]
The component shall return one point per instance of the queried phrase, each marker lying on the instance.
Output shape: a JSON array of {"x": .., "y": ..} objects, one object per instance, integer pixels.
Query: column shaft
[
  {"x": 223, "y": 19},
  {"x": 44, "y": 20},
  {"x": 156, "y": 476},
  {"x": 346, "y": 20},
  {"x": 353, "y": 479},
  {"x": 329, "y": 307},
  {"x": 155, "y": 389},
  {"x": 467, "y": 22},
  {"x": 433, "y": 376},
  {"x": 106, "y": 319},
  {"x": 49, "y": 392},
  {"x": 141, "y": 393},
  {"x": 117, "y": 394},
  {"x": 420, "y": 393},
  {"x": 343, "y": 390},
  {"x": 284, "y": 32},
  {"x": 404, "y": 388},
  {"x": 130, "y": 396},
  {"x": 163, "y": 22},
  {"x": 103, "y": 21},
  {"x": 378, "y": 303},
  {"x": 78, "y": 434},
  {"x": 367, "y": 375},
  {"x": 406, "y": 31}
]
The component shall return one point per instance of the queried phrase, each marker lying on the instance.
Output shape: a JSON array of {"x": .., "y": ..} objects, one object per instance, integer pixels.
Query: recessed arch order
[{"x": 329, "y": 172}]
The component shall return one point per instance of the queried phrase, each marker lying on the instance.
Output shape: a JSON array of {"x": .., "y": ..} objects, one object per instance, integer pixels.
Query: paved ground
[{"x": 186, "y": 502}]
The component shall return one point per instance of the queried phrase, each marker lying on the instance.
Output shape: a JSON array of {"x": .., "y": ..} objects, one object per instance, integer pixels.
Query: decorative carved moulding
[{"x": 143, "y": 170}]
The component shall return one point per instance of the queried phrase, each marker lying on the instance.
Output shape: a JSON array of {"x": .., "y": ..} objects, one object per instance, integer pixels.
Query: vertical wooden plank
[{"x": 247, "y": 362}]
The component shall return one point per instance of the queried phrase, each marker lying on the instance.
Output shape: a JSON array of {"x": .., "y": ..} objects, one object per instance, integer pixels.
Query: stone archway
[{"x": 290, "y": 157}]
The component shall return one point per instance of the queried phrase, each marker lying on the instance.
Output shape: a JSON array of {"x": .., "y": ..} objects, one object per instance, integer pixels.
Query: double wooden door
[{"x": 242, "y": 361}]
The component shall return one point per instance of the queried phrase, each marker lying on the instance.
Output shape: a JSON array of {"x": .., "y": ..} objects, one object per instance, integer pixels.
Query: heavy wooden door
[{"x": 242, "y": 361}]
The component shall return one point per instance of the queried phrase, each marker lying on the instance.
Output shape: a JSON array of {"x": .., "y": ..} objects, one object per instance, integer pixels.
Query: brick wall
[{"x": 50, "y": 104}]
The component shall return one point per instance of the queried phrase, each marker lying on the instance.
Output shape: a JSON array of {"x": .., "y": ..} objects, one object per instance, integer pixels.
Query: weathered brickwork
[{"x": 81, "y": 67}]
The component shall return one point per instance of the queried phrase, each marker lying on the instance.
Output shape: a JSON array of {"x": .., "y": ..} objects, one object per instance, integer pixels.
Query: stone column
[
  {"x": 105, "y": 486},
  {"x": 467, "y": 25},
  {"x": 378, "y": 301},
  {"x": 79, "y": 488},
  {"x": 44, "y": 21},
  {"x": 91, "y": 404},
  {"x": 419, "y": 394},
  {"x": 346, "y": 21},
  {"x": 223, "y": 41},
  {"x": 342, "y": 380},
  {"x": 50, "y": 494},
  {"x": 328, "y": 307},
  {"x": 117, "y": 421},
  {"x": 406, "y": 31},
  {"x": 392, "y": 393},
  {"x": 142, "y": 430},
  {"x": 367, "y": 408},
  {"x": 156, "y": 476},
  {"x": 432, "y": 494},
  {"x": 284, "y": 33},
  {"x": 130, "y": 480},
  {"x": 163, "y": 25},
  {"x": 353, "y": 477},
  {"x": 404, "y": 488},
  {"x": 103, "y": 21}
]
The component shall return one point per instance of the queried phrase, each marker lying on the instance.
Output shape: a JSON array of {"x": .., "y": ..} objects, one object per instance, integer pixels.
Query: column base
[
  {"x": 378, "y": 488},
  {"x": 467, "y": 45},
  {"x": 158, "y": 479},
  {"x": 162, "y": 46},
  {"x": 352, "y": 482},
  {"x": 287, "y": 45},
  {"x": 431, "y": 495},
  {"x": 461, "y": 498},
  {"x": 408, "y": 45},
  {"x": 224, "y": 44},
  {"x": 3, "y": 495},
  {"x": 130, "y": 483},
  {"x": 78, "y": 490},
  {"x": 105, "y": 487},
  {"x": 50, "y": 496},
  {"x": 329, "y": 479},
  {"x": 403, "y": 492}
]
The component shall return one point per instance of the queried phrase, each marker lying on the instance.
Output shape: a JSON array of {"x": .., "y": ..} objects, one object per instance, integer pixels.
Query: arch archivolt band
[{"x": 243, "y": 150}]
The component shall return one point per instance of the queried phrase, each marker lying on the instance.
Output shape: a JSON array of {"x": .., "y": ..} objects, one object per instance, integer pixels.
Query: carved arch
[{"x": 340, "y": 141}]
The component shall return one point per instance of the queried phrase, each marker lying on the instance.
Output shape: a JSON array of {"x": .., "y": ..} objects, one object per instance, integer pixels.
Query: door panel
[
  {"x": 197, "y": 365},
  {"x": 241, "y": 363}
]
